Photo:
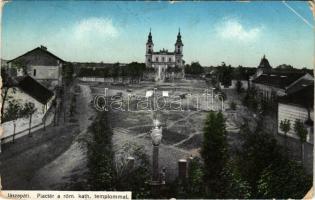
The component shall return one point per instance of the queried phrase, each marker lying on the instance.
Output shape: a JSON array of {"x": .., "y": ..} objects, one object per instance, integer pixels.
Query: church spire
[
  {"x": 150, "y": 41},
  {"x": 179, "y": 38}
]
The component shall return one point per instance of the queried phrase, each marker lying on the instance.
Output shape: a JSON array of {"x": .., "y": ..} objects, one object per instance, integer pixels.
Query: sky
[{"x": 237, "y": 33}]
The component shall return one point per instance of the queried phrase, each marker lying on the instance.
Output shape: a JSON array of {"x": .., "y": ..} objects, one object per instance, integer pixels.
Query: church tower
[
  {"x": 179, "y": 50},
  {"x": 149, "y": 50}
]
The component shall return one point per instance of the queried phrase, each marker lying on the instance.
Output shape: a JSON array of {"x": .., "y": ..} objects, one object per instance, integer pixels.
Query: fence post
[
  {"x": 182, "y": 169},
  {"x": 130, "y": 163},
  {"x": 13, "y": 132}
]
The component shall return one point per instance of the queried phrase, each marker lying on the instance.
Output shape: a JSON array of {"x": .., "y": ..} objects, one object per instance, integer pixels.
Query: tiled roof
[
  {"x": 300, "y": 84},
  {"x": 40, "y": 49},
  {"x": 35, "y": 89},
  {"x": 278, "y": 80},
  {"x": 303, "y": 97}
]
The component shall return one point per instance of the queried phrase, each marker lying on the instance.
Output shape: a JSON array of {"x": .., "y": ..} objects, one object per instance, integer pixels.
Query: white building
[
  {"x": 298, "y": 105},
  {"x": 163, "y": 60},
  {"x": 27, "y": 90}
]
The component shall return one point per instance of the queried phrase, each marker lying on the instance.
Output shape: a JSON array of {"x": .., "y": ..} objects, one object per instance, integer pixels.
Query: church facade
[{"x": 165, "y": 63}]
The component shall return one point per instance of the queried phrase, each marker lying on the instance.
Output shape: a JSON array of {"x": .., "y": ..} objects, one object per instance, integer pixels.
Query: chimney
[{"x": 43, "y": 47}]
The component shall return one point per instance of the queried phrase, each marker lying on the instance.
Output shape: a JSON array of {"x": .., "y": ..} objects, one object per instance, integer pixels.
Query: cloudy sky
[{"x": 234, "y": 32}]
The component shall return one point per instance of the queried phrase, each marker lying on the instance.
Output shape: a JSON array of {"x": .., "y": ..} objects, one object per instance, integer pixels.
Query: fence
[{"x": 22, "y": 126}]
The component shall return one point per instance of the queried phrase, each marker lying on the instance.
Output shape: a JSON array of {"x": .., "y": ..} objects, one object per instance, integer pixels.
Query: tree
[
  {"x": 193, "y": 186},
  {"x": 8, "y": 84},
  {"x": 302, "y": 133},
  {"x": 258, "y": 151},
  {"x": 67, "y": 73},
  {"x": 239, "y": 86},
  {"x": 12, "y": 113},
  {"x": 100, "y": 155},
  {"x": 28, "y": 110},
  {"x": 285, "y": 127},
  {"x": 134, "y": 178},
  {"x": 194, "y": 68},
  {"x": 285, "y": 180},
  {"x": 72, "y": 105},
  {"x": 225, "y": 74},
  {"x": 214, "y": 155},
  {"x": 233, "y": 105},
  {"x": 135, "y": 70},
  {"x": 250, "y": 100}
]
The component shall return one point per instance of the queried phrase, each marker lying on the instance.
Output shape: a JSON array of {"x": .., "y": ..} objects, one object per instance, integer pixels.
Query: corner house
[
  {"x": 39, "y": 64},
  {"x": 28, "y": 90}
]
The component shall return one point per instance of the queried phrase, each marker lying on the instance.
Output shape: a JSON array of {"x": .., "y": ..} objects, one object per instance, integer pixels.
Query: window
[
  {"x": 34, "y": 72},
  {"x": 156, "y": 59},
  {"x": 149, "y": 60},
  {"x": 170, "y": 59},
  {"x": 163, "y": 59}
]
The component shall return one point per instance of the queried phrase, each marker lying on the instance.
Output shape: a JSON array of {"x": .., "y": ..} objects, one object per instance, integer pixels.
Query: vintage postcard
[{"x": 157, "y": 99}]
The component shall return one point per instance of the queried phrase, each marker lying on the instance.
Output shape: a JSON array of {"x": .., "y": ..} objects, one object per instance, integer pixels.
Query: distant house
[
  {"x": 41, "y": 65},
  {"x": 27, "y": 90},
  {"x": 298, "y": 105},
  {"x": 271, "y": 84}
]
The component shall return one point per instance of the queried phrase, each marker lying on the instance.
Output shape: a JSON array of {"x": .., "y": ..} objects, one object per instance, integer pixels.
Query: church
[{"x": 164, "y": 62}]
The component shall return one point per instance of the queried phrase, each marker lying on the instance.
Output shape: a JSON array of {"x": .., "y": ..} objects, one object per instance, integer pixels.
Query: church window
[
  {"x": 169, "y": 59},
  {"x": 34, "y": 72},
  {"x": 149, "y": 59},
  {"x": 149, "y": 46},
  {"x": 163, "y": 59},
  {"x": 156, "y": 59}
]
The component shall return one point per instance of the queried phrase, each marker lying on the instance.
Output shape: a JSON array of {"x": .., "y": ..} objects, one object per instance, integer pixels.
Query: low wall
[{"x": 106, "y": 80}]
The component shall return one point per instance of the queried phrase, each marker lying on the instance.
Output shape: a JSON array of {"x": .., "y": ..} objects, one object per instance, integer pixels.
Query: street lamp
[{"x": 156, "y": 136}]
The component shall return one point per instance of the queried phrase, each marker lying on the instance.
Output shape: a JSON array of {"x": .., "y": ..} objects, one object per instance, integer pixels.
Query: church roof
[
  {"x": 179, "y": 39},
  {"x": 264, "y": 63},
  {"x": 150, "y": 41},
  {"x": 163, "y": 52}
]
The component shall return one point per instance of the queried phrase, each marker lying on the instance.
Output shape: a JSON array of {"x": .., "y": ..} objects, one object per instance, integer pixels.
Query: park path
[{"x": 73, "y": 161}]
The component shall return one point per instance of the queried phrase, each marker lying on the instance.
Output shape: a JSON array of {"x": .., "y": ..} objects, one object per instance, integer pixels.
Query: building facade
[
  {"x": 164, "y": 61},
  {"x": 39, "y": 64},
  {"x": 298, "y": 105},
  {"x": 271, "y": 84}
]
